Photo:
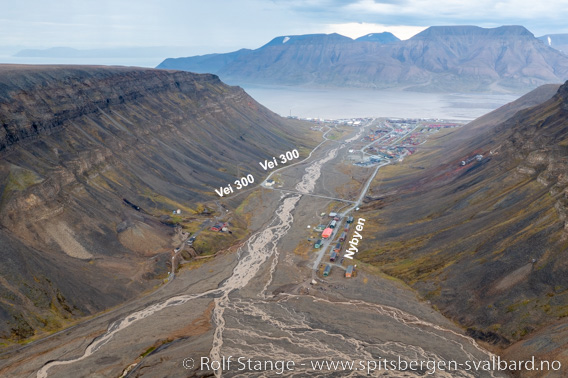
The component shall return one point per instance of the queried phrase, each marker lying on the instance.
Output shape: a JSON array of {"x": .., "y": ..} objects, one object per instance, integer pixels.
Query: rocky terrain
[
  {"x": 264, "y": 301},
  {"x": 485, "y": 241},
  {"x": 85, "y": 196},
  {"x": 439, "y": 59},
  {"x": 92, "y": 161}
]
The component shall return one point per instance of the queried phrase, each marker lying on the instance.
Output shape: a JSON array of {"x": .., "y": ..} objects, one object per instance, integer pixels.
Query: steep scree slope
[
  {"x": 485, "y": 242},
  {"x": 74, "y": 142}
]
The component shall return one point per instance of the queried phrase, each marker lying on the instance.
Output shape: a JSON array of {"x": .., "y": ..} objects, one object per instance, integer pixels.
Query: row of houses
[{"x": 327, "y": 233}]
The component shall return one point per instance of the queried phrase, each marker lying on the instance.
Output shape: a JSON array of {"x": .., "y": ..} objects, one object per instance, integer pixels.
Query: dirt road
[{"x": 260, "y": 309}]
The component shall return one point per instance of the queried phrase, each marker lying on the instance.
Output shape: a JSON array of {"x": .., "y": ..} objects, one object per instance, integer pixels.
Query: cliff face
[
  {"x": 74, "y": 143},
  {"x": 39, "y": 101},
  {"x": 485, "y": 242},
  {"x": 536, "y": 145}
]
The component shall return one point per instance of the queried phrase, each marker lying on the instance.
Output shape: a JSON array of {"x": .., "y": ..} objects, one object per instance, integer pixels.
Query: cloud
[
  {"x": 224, "y": 25},
  {"x": 434, "y": 12}
]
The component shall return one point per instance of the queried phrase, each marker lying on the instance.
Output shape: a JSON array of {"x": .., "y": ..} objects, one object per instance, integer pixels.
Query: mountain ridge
[
  {"x": 439, "y": 59},
  {"x": 556, "y": 41},
  {"x": 384, "y": 37},
  {"x": 484, "y": 242},
  {"x": 93, "y": 160}
]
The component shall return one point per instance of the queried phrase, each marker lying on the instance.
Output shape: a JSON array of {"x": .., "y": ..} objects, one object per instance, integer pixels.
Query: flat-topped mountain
[
  {"x": 440, "y": 58},
  {"x": 311, "y": 40},
  {"x": 91, "y": 161},
  {"x": 384, "y": 37}
]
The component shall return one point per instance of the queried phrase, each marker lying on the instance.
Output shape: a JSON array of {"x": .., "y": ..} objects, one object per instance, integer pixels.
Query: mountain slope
[
  {"x": 556, "y": 41},
  {"x": 92, "y": 159},
  {"x": 203, "y": 63},
  {"x": 477, "y": 58},
  {"x": 441, "y": 58},
  {"x": 494, "y": 118},
  {"x": 485, "y": 242}
]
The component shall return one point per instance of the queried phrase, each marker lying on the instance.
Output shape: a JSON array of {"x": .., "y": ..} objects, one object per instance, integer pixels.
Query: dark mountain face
[
  {"x": 442, "y": 58},
  {"x": 91, "y": 160},
  {"x": 485, "y": 241}
]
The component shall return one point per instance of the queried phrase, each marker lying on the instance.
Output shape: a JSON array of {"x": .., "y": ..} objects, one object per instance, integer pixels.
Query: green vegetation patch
[
  {"x": 210, "y": 242},
  {"x": 20, "y": 179}
]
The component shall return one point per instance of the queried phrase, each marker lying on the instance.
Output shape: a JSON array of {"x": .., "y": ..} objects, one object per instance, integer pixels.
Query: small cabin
[
  {"x": 343, "y": 236},
  {"x": 327, "y": 233},
  {"x": 350, "y": 219},
  {"x": 333, "y": 224},
  {"x": 318, "y": 244},
  {"x": 327, "y": 270},
  {"x": 349, "y": 272},
  {"x": 337, "y": 248},
  {"x": 333, "y": 256}
]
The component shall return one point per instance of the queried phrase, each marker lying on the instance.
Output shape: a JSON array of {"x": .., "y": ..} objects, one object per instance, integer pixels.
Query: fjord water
[{"x": 337, "y": 103}]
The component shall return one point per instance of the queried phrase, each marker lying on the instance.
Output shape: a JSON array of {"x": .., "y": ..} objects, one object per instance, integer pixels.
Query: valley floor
[{"x": 259, "y": 302}]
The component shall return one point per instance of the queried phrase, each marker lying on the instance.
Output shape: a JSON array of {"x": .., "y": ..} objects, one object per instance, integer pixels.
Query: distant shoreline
[{"x": 337, "y": 103}]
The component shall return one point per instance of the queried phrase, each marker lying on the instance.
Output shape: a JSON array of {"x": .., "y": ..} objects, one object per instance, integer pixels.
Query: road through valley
[{"x": 258, "y": 304}]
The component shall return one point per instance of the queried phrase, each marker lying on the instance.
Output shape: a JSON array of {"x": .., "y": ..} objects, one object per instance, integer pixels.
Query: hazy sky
[{"x": 204, "y": 26}]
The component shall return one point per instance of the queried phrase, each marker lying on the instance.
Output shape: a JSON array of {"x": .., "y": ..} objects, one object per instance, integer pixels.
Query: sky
[{"x": 194, "y": 27}]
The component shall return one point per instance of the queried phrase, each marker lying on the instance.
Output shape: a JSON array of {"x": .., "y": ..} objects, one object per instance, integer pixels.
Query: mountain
[
  {"x": 441, "y": 58},
  {"x": 203, "y": 63},
  {"x": 484, "y": 242},
  {"x": 557, "y": 41},
  {"x": 92, "y": 161},
  {"x": 491, "y": 119},
  {"x": 384, "y": 37},
  {"x": 481, "y": 59},
  {"x": 282, "y": 54}
]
